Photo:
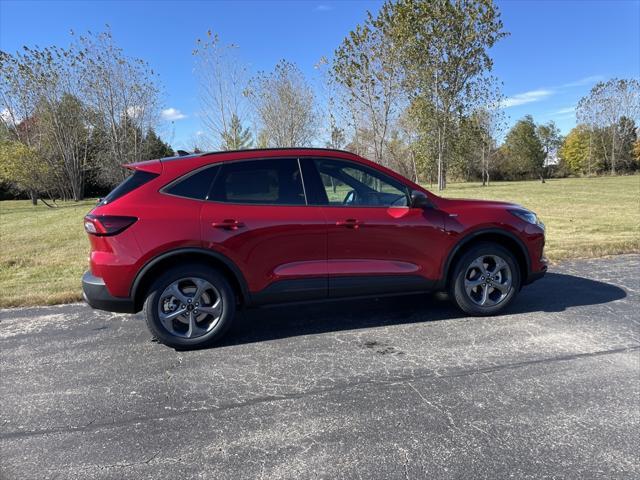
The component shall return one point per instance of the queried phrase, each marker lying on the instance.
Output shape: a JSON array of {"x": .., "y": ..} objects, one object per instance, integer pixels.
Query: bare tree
[
  {"x": 123, "y": 93},
  {"x": 222, "y": 88},
  {"x": 367, "y": 69},
  {"x": 489, "y": 122},
  {"x": 39, "y": 89},
  {"x": 285, "y": 106},
  {"x": 17, "y": 100},
  {"x": 606, "y": 105}
]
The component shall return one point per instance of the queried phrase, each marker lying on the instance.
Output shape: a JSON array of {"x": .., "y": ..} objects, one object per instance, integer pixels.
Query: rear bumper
[{"x": 95, "y": 293}]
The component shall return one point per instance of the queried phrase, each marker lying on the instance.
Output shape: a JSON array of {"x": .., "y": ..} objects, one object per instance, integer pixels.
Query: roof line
[{"x": 276, "y": 149}]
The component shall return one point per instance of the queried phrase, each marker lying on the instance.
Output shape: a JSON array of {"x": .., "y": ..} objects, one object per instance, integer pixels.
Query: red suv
[{"x": 190, "y": 239}]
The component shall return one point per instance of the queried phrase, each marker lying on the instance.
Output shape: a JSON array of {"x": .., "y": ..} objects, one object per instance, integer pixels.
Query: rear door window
[{"x": 262, "y": 182}]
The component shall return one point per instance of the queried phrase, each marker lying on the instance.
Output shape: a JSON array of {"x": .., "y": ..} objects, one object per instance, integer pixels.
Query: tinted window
[
  {"x": 195, "y": 185},
  {"x": 350, "y": 184},
  {"x": 268, "y": 182},
  {"x": 136, "y": 180}
]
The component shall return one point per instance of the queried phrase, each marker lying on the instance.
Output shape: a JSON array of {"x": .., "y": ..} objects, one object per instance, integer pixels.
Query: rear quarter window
[
  {"x": 129, "y": 184},
  {"x": 194, "y": 185}
]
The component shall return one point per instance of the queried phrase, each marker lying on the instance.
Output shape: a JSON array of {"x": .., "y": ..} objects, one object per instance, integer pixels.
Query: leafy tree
[
  {"x": 465, "y": 149},
  {"x": 236, "y": 137},
  {"x": 400, "y": 155},
  {"x": 285, "y": 106},
  {"x": 576, "y": 150},
  {"x": 42, "y": 85},
  {"x": 525, "y": 153},
  {"x": 262, "y": 140},
  {"x": 636, "y": 151},
  {"x": 551, "y": 140},
  {"x": 82, "y": 109},
  {"x": 445, "y": 53},
  {"x": 626, "y": 133},
  {"x": 21, "y": 167}
]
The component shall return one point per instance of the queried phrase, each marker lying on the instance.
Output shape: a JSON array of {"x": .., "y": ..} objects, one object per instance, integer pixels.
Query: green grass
[
  {"x": 585, "y": 217},
  {"x": 43, "y": 251}
]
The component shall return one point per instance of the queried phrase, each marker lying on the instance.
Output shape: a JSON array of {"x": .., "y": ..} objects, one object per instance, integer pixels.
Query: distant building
[{"x": 552, "y": 158}]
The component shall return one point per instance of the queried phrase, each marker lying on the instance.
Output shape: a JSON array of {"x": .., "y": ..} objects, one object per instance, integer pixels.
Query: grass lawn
[
  {"x": 43, "y": 251},
  {"x": 585, "y": 217}
]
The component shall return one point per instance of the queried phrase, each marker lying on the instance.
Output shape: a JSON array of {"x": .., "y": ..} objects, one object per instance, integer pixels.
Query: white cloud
[
  {"x": 323, "y": 8},
  {"x": 584, "y": 81},
  {"x": 526, "y": 97},
  {"x": 565, "y": 111},
  {"x": 543, "y": 93},
  {"x": 134, "y": 111},
  {"x": 172, "y": 114}
]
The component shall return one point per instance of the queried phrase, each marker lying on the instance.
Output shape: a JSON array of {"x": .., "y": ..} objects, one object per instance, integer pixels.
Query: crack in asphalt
[{"x": 93, "y": 425}]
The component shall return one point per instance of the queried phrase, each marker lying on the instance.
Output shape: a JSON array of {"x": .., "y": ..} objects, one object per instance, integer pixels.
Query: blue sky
[{"x": 556, "y": 51}]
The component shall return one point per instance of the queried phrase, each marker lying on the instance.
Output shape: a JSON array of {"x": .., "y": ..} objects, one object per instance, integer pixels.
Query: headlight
[{"x": 528, "y": 216}]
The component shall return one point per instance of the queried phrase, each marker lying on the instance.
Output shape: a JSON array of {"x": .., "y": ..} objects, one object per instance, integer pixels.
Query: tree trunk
[
  {"x": 613, "y": 151},
  {"x": 441, "y": 170},
  {"x": 34, "y": 197},
  {"x": 415, "y": 167},
  {"x": 590, "y": 160},
  {"x": 484, "y": 171}
]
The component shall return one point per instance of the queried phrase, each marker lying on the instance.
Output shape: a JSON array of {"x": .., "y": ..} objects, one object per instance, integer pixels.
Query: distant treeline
[{"x": 410, "y": 88}]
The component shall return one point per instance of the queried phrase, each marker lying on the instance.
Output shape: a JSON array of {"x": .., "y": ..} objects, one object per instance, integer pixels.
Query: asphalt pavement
[{"x": 389, "y": 388}]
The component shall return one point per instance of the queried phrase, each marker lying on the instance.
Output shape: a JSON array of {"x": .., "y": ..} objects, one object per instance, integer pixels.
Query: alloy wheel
[
  {"x": 488, "y": 280},
  {"x": 190, "y": 307}
]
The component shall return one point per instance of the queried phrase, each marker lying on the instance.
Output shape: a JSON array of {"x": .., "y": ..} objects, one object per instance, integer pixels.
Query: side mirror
[{"x": 419, "y": 200}]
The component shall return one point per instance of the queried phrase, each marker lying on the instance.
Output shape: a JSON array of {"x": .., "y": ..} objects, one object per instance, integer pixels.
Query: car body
[{"x": 291, "y": 225}]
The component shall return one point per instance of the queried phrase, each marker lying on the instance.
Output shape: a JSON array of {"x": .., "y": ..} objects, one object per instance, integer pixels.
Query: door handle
[
  {"x": 229, "y": 224},
  {"x": 349, "y": 223}
]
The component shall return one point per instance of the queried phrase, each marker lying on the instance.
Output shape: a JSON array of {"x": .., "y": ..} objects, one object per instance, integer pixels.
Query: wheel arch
[
  {"x": 501, "y": 237},
  {"x": 166, "y": 260}
]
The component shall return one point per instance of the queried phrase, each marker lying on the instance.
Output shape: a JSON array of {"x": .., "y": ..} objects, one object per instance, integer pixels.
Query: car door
[
  {"x": 376, "y": 243},
  {"x": 257, "y": 216}
]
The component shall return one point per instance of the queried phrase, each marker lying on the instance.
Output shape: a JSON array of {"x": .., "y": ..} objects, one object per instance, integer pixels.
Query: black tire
[
  {"x": 464, "y": 300},
  {"x": 215, "y": 279}
]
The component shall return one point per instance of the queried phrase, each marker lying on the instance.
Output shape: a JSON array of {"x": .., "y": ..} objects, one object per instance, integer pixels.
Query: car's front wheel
[
  {"x": 486, "y": 279},
  {"x": 189, "y": 307}
]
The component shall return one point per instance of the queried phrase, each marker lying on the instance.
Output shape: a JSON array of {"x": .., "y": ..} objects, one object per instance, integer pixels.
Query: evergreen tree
[
  {"x": 236, "y": 137},
  {"x": 153, "y": 146}
]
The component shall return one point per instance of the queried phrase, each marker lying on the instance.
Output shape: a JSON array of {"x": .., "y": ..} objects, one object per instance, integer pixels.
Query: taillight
[{"x": 106, "y": 225}]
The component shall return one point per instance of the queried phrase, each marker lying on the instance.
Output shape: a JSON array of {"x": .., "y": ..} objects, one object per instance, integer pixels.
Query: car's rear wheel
[
  {"x": 189, "y": 307},
  {"x": 486, "y": 279}
]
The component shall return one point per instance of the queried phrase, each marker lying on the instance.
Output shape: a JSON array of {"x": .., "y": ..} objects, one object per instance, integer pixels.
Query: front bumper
[
  {"x": 95, "y": 293},
  {"x": 537, "y": 275}
]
